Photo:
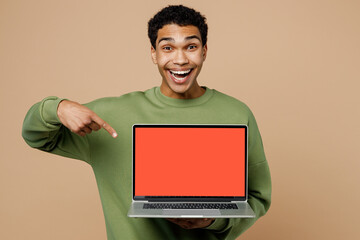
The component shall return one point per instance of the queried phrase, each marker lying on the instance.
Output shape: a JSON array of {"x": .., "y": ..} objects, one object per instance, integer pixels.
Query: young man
[{"x": 178, "y": 37}]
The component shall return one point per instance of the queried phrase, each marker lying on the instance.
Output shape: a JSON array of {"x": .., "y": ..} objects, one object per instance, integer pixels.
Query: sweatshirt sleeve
[
  {"x": 43, "y": 130},
  {"x": 259, "y": 188}
]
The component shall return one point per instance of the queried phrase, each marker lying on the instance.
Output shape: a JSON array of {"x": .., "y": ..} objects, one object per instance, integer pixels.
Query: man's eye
[
  {"x": 191, "y": 47},
  {"x": 167, "y": 48}
]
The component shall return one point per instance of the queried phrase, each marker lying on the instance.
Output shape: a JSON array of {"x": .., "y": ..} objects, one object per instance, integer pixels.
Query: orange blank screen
[{"x": 189, "y": 161}]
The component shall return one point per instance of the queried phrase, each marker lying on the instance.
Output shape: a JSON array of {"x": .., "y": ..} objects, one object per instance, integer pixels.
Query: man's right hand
[{"x": 80, "y": 119}]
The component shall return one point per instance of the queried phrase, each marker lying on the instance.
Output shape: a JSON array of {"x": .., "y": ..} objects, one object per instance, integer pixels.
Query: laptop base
[{"x": 244, "y": 211}]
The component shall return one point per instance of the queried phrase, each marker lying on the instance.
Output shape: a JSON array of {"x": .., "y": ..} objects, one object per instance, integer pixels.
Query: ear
[
  {"x": 153, "y": 55},
  {"x": 204, "y": 52}
]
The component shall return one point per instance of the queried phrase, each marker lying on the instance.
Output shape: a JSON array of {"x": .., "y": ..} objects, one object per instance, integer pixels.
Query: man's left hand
[{"x": 191, "y": 223}]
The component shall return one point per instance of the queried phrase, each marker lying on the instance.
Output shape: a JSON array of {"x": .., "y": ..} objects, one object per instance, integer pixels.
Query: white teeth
[
  {"x": 179, "y": 79},
  {"x": 180, "y": 72}
]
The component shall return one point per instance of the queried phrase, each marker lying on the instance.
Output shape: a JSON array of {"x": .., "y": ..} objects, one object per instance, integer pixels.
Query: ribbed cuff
[{"x": 49, "y": 110}]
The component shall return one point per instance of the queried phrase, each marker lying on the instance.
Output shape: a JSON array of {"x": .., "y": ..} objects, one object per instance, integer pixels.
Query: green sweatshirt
[{"x": 111, "y": 159}]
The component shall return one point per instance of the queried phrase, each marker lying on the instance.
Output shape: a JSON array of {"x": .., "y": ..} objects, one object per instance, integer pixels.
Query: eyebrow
[{"x": 173, "y": 40}]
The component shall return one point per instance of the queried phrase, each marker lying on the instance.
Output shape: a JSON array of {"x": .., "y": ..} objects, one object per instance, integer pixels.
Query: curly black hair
[{"x": 180, "y": 15}]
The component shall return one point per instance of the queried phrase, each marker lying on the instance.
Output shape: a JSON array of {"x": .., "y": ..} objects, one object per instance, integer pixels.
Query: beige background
[{"x": 295, "y": 63}]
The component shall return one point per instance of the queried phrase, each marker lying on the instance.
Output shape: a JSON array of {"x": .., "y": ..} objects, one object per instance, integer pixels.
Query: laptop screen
[{"x": 189, "y": 160}]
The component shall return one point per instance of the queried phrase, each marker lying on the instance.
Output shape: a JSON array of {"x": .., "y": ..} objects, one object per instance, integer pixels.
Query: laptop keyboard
[{"x": 190, "y": 206}]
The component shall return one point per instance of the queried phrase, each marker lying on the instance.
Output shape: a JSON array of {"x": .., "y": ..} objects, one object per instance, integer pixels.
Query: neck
[{"x": 195, "y": 92}]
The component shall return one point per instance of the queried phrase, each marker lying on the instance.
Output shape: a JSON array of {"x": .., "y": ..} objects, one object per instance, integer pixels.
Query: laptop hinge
[{"x": 188, "y": 200}]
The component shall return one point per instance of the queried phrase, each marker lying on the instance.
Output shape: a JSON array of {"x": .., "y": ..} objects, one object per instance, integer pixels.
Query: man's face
[{"x": 179, "y": 56}]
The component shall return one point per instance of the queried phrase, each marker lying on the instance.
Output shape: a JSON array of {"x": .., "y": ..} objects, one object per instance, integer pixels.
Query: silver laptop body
[{"x": 164, "y": 188}]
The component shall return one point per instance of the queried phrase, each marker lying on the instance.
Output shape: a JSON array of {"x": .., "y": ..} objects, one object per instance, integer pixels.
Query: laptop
[{"x": 190, "y": 171}]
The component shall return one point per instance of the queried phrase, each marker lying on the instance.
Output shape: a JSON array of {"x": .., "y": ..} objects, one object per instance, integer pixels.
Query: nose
[{"x": 180, "y": 58}]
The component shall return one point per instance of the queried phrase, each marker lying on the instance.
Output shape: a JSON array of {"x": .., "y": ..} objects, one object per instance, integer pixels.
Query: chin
[{"x": 180, "y": 88}]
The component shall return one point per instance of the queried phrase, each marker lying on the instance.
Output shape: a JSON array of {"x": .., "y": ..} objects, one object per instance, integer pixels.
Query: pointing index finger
[
  {"x": 104, "y": 125},
  {"x": 110, "y": 130}
]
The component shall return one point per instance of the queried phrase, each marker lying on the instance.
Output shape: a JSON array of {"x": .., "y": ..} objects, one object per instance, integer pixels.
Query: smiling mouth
[{"x": 180, "y": 76}]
